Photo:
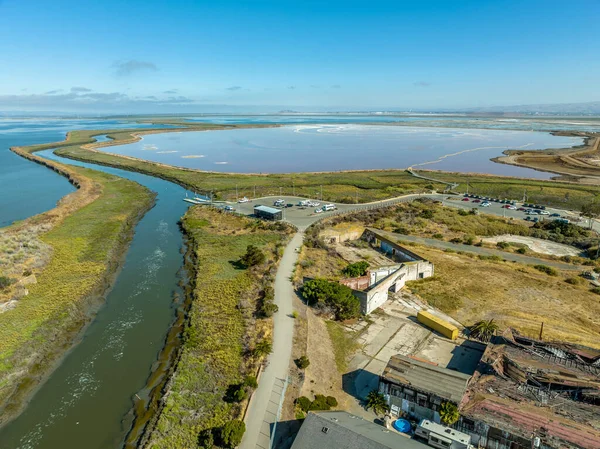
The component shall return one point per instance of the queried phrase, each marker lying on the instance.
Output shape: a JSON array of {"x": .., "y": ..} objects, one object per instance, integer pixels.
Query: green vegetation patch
[
  {"x": 83, "y": 245},
  {"x": 215, "y": 351}
]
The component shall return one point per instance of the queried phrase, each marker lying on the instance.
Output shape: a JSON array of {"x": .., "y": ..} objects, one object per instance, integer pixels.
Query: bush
[
  {"x": 502, "y": 245},
  {"x": 232, "y": 433},
  {"x": 438, "y": 236},
  {"x": 427, "y": 213},
  {"x": 302, "y": 362},
  {"x": 253, "y": 256},
  {"x": 250, "y": 382},
  {"x": 456, "y": 240},
  {"x": 331, "y": 401},
  {"x": 469, "y": 240},
  {"x": 27, "y": 273},
  {"x": 5, "y": 282},
  {"x": 521, "y": 250},
  {"x": 463, "y": 213},
  {"x": 546, "y": 269},
  {"x": 303, "y": 403},
  {"x": 267, "y": 309},
  {"x": 574, "y": 281},
  {"x": 206, "y": 439},
  {"x": 334, "y": 295},
  {"x": 262, "y": 348},
  {"x": 490, "y": 258},
  {"x": 595, "y": 290},
  {"x": 320, "y": 403},
  {"x": 356, "y": 269}
]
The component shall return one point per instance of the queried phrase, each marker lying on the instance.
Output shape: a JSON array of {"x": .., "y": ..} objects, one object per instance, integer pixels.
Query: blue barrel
[{"x": 402, "y": 425}]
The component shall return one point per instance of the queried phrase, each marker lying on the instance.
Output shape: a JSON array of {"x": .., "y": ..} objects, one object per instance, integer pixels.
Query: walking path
[{"x": 265, "y": 403}]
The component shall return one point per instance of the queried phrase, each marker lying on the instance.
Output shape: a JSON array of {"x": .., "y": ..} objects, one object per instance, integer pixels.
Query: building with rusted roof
[{"x": 528, "y": 393}]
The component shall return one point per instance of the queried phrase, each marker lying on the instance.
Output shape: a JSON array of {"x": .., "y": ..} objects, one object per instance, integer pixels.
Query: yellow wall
[{"x": 437, "y": 324}]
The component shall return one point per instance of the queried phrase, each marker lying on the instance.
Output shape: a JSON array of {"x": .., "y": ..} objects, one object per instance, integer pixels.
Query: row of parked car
[{"x": 479, "y": 199}]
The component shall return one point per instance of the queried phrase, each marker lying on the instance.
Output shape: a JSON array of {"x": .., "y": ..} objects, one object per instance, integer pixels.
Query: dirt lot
[
  {"x": 536, "y": 245},
  {"x": 470, "y": 289}
]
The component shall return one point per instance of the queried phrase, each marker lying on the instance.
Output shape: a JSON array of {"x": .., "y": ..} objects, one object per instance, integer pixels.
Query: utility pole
[
  {"x": 254, "y": 191},
  {"x": 541, "y": 330},
  {"x": 321, "y": 192},
  {"x": 236, "y": 194},
  {"x": 293, "y": 187},
  {"x": 280, "y": 190}
]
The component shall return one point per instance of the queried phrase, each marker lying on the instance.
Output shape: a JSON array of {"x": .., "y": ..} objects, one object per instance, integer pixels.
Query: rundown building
[
  {"x": 419, "y": 388},
  {"x": 372, "y": 289},
  {"x": 528, "y": 393}
]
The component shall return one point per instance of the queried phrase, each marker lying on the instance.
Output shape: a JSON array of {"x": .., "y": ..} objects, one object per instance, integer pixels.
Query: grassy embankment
[
  {"x": 87, "y": 233},
  {"x": 223, "y": 327}
]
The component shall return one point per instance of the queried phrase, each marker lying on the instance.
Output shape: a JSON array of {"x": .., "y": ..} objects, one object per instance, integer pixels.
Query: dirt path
[{"x": 536, "y": 245}]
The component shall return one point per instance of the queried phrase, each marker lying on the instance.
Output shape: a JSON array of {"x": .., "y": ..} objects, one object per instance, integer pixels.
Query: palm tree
[
  {"x": 449, "y": 413},
  {"x": 376, "y": 401},
  {"x": 483, "y": 330}
]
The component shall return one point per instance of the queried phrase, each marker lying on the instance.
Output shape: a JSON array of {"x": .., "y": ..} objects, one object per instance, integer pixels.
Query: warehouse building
[{"x": 268, "y": 213}]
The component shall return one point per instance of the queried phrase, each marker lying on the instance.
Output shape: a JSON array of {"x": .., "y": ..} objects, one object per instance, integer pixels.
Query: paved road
[
  {"x": 483, "y": 251},
  {"x": 264, "y": 405}
]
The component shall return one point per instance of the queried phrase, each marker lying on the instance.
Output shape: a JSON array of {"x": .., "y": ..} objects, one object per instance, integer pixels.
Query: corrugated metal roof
[
  {"x": 341, "y": 430},
  {"x": 270, "y": 210},
  {"x": 445, "y": 383}
]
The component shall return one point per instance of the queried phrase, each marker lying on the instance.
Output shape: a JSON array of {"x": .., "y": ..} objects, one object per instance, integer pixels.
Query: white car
[
  {"x": 512, "y": 207},
  {"x": 544, "y": 212},
  {"x": 318, "y": 211},
  {"x": 486, "y": 204},
  {"x": 243, "y": 200}
]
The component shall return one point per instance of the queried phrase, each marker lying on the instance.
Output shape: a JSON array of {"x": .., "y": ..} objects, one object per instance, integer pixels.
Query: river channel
[{"x": 86, "y": 400}]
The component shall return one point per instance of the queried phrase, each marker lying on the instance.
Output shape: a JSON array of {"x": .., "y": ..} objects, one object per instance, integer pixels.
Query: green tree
[
  {"x": 5, "y": 282},
  {"x": 356, "y": 269},
  {"x": 303, "y": 403},
  {"x": 332, "y": 294},
  {"x": 483, "y": 330},
  {"x": 376, "y": 401},
  {"x": 449, "y": 413},
  {"x": 232, "y": 433},
  {"x": 251, "y": 382},
  {"x": 254, "y": 256}
]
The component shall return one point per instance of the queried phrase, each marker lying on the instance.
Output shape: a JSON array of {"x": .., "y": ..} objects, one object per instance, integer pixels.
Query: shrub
[
  {"x": 262, "y": 348},
  {"x": 574, "y": 281},
  {"x": 427, "y": 213},
  {"x": 27, "y": 273},
  {"x": 254, "y": 256},
  {"x": 456, "y": 240},
  {"x": 232, "y": 433},
  {"x": 206, "y": 439},
  {"x": 463, "y": 212},
  {"x": 331, "y": 401},
  {"x": 320, "y": 403},
  {"x": 302, "y": 362},
  {"x": 5, "y": 282},
  {"x": 376, "y": 401},
  {"x": 251, "y": 382},
  {"x": 546, "y": 269},
  {"x": 294, "y": 314},
  {"x": 490, "y": 258},
  {"x": 595, "y": 290},
  {"x": 449, "y": 413},
  {"x": 303, "y": 403},
  {"x": 267, "y": 309},
  {"x": 438, "y": 236},
  {"x": 521, "y": 250},
  {"x": 356, "y": 269},
  {"x": 469, "y": 240},
  {"x": 502, "y": 245}
]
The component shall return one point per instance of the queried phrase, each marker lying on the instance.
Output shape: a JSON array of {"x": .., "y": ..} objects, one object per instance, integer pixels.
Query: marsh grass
[{"x": 222, "y": 331}]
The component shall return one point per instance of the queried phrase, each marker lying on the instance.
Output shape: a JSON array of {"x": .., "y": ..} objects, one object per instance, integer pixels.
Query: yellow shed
[{"x": 437, "y": 324}]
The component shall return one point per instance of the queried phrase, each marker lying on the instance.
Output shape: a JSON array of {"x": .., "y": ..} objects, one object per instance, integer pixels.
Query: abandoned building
[
  {"x": 419, "y": 388},
  {"x": 528, "y": 393},
  {"x": 372, "y": 289}
]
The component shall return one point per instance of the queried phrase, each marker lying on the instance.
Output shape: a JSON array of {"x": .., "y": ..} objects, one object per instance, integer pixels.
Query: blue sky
[{"x": 171, "y": 56}]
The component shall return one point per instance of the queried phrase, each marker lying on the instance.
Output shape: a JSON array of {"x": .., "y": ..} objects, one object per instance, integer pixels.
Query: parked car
[
  {"x": 477, "y": 201},
  {"x": 465, "y": 199},
  {"x": 521, "y": 209},
  {"x": 243, "y": 200},
  {"x": 229, "y": 208},
  {"x": 511, "y": 207},
  {"x": 544, "y": 212},
  {"x": 485, "y": 204},
  {"x": 555, "y": 215},
  {"x": 506, "y": 206}
]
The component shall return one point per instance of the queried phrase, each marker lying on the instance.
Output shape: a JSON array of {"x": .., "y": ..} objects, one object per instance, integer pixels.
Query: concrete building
[
  {"x": 419, "y": 388},
  {"x": 341, "y": 430},
  {"x": 268, "y": 213},
  {"x": 372, "y": 289}
]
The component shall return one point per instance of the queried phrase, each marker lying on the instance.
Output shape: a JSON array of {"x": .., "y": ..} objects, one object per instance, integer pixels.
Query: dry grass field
[{"x": 470, "y": 289}]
